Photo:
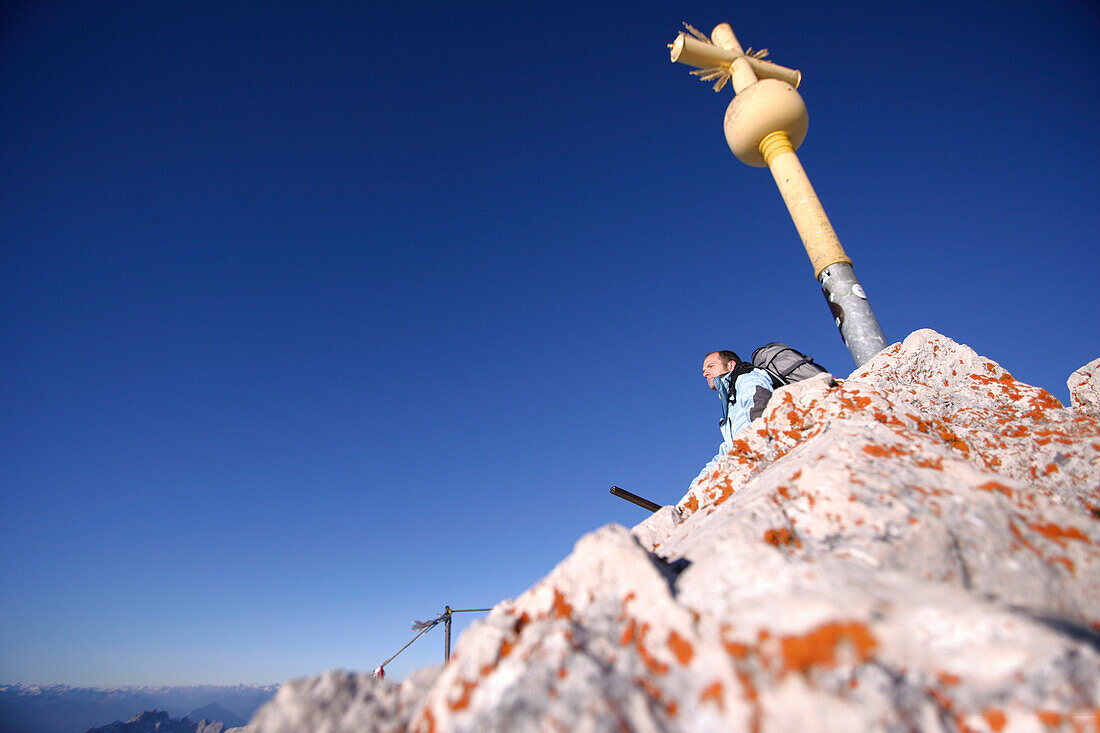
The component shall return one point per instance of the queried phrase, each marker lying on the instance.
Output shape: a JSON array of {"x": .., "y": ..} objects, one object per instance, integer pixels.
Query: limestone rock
[
  {"x": 915, "y": 547},
  {"x": 1084, "y": 388},
  {"x": 343, "y": 702}
]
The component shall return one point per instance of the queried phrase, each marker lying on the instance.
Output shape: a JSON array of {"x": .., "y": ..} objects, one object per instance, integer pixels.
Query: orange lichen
[
  {"x": 681, "y": 648},
  {"x": 429, "y": 720},
  {"x": 1040, "y": 403},
  {"x": 1065, "y": 562},
  {"x": 463, "y": 702},
  {"x": 736, "y": 649},
  {"x": 1023, "y": 540},
  {"x": 936, "y": 463},
  {"x": 781, "y": 537},
  {"x": 954, "y": 441},
  {"x": 995, "y": 718},
  {"x": 948, "y": 679},
  {"x": 1049, "y": 718},
  {"x": 1059, "y": 534},
  {"x": 819, "y": 648},
  {"x": 922, "y": 426},
  {"x": 880, "y": 417},
  {"x": 562, "y": 609},
  {"x": 994, "y": 486},
  {"x": 855, "y": 402},
  {"x": 753, "y": 696},
  {"x": 883, "y": 451},
  {"x": 713, "y": 693},
  {"x": 740, "y": 446},
  {"x": 635, "y": 635}
]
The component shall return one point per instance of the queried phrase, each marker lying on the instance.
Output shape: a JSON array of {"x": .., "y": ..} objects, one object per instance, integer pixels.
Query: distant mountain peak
[
  {"x": 215, "y": 712},
  {"x": 157, "y": 721}
]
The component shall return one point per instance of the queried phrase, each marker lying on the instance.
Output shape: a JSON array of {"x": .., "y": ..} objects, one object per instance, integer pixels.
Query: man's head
[{"x": 717, "y": 363}]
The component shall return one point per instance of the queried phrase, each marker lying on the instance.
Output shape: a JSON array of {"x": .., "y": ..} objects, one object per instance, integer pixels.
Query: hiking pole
[
  {"x": 635, "y": 499},
  {"x": 765, "y": 123}
]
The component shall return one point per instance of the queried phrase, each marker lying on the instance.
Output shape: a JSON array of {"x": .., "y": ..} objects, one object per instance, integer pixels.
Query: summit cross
[{"x": 765, "y": 123}]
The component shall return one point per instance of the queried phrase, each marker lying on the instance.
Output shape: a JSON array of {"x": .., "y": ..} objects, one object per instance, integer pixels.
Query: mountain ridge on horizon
[{"x": 62, "y": 708}]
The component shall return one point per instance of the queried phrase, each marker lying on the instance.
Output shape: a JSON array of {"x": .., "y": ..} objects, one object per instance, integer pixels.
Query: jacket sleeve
[
  {"x": 752, "y": 393},
  {"x": 761, "y": 392}
]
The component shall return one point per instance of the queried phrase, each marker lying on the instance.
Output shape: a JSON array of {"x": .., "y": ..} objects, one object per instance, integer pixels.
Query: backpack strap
[{"x": 743, "y": 367}]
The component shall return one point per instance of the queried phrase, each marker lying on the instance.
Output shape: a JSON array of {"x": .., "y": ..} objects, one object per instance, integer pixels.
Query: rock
[
  {"x": 1084, "y": 388},
  {"x": 916, "y": 547},
  {"x": 343, "y": 702}
]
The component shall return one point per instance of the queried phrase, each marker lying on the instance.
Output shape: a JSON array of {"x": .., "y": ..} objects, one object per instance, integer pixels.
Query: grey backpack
[{"x": 785, "y": 364}]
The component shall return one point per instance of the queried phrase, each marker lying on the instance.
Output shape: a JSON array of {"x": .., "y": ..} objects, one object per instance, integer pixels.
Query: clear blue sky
[{"x": 319, "y": 316}]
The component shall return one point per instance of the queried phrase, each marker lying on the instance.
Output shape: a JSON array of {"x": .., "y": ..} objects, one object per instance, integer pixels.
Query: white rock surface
[
  {"x": 343, "y": 702},
  {"x": 1084, "y": 388},
  {"x": 916, "y": 547}
]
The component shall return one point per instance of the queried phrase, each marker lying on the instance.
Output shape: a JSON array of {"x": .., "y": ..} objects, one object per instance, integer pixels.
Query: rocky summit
[{"x": 915, "y": 547}]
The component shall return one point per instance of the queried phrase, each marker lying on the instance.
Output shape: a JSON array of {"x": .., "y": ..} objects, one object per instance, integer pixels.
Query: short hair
[{"x": 726, "y": 356}]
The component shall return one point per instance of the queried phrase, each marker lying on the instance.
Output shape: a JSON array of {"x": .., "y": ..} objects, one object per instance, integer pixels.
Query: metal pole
[
  {"x": 765, "y": 123},
  {"x": 833, "y": 269},
  {"x": 447, "y": 634}
]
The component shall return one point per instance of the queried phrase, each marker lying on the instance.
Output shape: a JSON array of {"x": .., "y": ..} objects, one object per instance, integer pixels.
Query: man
[{"x": 743, "y": 389}]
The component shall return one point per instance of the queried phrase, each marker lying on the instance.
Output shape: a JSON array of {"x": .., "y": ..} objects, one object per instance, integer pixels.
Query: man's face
[{"x": 714, "y": 366}]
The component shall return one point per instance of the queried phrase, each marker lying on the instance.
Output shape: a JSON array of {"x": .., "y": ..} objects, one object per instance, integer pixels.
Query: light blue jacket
[{"x": 751, "y": 393}]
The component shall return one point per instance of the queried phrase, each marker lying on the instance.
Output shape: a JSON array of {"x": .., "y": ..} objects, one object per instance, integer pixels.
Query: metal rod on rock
[{"x": 635, "y": 499}]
